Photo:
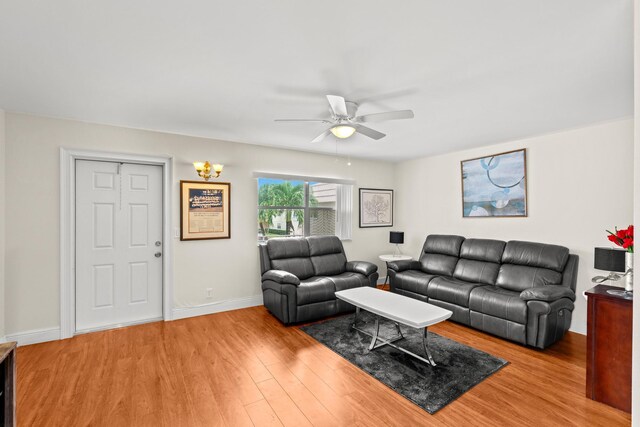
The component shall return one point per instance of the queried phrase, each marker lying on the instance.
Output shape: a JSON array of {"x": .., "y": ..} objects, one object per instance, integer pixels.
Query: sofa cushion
[
  {"x": 499, "y": 302},
  {"x": 471, "y": 270},
  {"x": 288, "y": 247},
  {"x": 327, "y": 255},
  {"x": 451, "y": 290},
  {"x": 479, "y": 261},
  {"x": 322, "y": 245},
  {"x": 443, "y": 244},
  {"x": 540, "y": 255},
  {"x": 440, "y": 254},
  {"x": 415, "y": 281},
  {"x": 328, "y": 265},
  {"x": 442, "y": 265},
  {"x": 520, "y": 277},
  {"x": 299, "y": 267},
  {"x": 291, "y": 254},
  {"x": 315, "y": 289},
  {"x": 348, "y": 280},
  {"x": 482, "y": 250}
]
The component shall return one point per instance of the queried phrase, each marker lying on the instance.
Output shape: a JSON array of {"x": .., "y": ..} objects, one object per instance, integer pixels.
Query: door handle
[{"x": 158, "y": 254}]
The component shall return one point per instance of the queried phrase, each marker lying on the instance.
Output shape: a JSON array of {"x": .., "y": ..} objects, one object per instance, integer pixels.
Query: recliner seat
[
  {"x": 300, "y": 276},
  {"x": 521, "y": 291}
]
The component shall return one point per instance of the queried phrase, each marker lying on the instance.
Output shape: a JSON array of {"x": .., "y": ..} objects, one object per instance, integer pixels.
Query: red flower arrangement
[{"x": 623, "y": 238}]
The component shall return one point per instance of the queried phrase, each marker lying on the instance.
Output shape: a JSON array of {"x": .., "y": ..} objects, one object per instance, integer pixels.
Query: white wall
[
  {"x": 573, "y": 196},
  {"x": 2, "y": 221},
  {"x": 575, "y": 192},
  {"x": 230, "y": 267}
]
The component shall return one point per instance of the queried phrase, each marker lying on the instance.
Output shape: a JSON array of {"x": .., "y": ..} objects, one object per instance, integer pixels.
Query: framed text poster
[{"x": 205, "y": 210}]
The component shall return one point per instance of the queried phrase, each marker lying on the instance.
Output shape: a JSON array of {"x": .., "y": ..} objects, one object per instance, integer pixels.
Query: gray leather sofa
[
  {"x": 521, "y": 291},
  {"x": 300, "y": 276}
]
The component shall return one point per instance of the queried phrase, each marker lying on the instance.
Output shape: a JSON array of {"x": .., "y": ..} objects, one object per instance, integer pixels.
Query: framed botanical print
[
  {"x": 205, "y": 210},
  {"x": 376, "y": 208},
  {"x": 494, "y": 186}
]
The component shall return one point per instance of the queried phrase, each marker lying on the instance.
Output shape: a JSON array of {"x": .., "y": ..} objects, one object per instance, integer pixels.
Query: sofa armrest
[
  {"x": 403, "y": 265},
  {"x": 547, "y": 293},
  {"x": 281, "y": 276},
  {"x": 362, "y": 267}
]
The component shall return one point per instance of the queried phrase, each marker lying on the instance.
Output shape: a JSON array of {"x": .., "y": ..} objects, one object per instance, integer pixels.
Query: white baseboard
[
  {"x": 217, "y": 307},
  {"x": 35, "y": 336},
  {"x": 579, "y": 329}
]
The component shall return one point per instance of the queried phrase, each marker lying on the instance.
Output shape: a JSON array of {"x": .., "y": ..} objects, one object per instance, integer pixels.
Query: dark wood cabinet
[
  {"x": 8, "y": 384},
  {"x": 609, "y": 339}
]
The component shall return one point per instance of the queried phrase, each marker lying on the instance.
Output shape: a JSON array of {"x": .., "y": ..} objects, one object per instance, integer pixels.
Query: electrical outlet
[{"x": 209, "y": 293}]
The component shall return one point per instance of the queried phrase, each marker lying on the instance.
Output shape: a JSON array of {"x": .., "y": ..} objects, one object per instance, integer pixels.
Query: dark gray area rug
[{"x": 459, "y": 367}]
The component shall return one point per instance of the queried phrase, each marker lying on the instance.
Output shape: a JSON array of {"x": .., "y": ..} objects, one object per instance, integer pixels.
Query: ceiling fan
[{"x": 345, "y": 123}]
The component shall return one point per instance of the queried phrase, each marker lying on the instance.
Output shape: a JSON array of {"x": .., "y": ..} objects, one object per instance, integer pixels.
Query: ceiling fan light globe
[{"x": 343, "y": 131}]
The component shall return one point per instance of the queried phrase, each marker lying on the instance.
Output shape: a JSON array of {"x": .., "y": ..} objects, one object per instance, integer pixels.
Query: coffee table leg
[
  {"x": 355, "y": 317},
  {"x": 398, "y": 329},
  {"x": 374, "y": 338},
  {"x": 425, "y": 344}
]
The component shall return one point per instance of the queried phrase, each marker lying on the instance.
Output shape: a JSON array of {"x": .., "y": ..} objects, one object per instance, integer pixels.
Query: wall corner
[{"x": 2, "y": 221}]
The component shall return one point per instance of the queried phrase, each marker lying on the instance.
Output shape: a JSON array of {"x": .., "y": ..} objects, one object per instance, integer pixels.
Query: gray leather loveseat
[
  {"x": 522, "y": 291},
  {"x": 300, "y": 276}
]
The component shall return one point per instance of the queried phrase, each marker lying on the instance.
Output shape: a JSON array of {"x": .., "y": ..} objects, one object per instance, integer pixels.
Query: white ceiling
[{"x": 474, "y": 72}]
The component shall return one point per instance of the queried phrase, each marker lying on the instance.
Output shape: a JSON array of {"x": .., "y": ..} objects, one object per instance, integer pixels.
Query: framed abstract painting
[{"x": 495, "y": 186}]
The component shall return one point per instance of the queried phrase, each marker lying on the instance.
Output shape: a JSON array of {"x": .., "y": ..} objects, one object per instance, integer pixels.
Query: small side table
[
  {"x": 609, "y": 319},
  {"x": 390, "y": 258},
  {"x": 8, "y": 384}
]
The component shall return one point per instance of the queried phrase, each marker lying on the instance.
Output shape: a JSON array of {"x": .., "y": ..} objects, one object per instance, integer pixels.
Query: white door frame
[{"x": 68, "y": 159}]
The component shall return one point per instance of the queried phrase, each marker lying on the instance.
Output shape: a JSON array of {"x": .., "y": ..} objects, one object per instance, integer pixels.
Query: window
[{"x": 302, "y": 207}]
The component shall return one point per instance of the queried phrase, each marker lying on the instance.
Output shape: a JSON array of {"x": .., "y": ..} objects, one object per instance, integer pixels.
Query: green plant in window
[
  {"x": 266, "y": 197},
  {"x": 283, "y": 194},
  {"x": 287, "y": 194}
]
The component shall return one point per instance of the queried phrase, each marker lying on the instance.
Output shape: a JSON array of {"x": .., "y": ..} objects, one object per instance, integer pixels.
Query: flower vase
[{"x": 628, "y": 264}]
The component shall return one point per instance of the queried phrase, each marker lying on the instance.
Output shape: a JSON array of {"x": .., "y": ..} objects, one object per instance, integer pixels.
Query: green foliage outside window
[{"x": 283, "y": 194}]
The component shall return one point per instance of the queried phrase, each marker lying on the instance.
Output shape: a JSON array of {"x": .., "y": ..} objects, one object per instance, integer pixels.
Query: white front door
[{"x": 118, "y": 244}]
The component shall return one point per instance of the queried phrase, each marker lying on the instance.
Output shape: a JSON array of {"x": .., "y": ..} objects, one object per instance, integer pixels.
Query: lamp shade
[
  {"x": 396, "y": 237},
  {"x": 609, "y": 259}
]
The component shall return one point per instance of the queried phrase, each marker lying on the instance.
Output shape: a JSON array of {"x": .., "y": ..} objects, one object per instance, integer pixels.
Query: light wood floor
[{"x": 244, "y": 368}]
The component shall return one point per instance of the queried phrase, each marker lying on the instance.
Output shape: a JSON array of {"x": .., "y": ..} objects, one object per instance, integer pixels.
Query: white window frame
[{"x": 344, "y": 201}]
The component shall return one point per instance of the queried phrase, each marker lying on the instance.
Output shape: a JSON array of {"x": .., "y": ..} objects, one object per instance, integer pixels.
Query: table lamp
[
  {"x": 396, "y": 237},
  {"x": 611, "y": 260}
]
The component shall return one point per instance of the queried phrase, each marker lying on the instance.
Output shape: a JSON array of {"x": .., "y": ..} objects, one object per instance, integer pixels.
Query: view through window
[{"x": 296, "y": 208}]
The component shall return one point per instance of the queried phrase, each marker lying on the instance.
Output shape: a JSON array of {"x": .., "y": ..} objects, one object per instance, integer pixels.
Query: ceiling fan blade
[
  {"x": 374, "y": 134},
  {"x": 303, "y": 120},
  {"x": 321, "y": 136},
  {"x": 338, "y": 105},
  {"x": 390, "y": 115}
]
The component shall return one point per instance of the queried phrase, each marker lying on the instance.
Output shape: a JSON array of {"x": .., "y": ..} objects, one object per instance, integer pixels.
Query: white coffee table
[
  {"x": 397, "y": 308},
  {"x": 393, "y": 257}
]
